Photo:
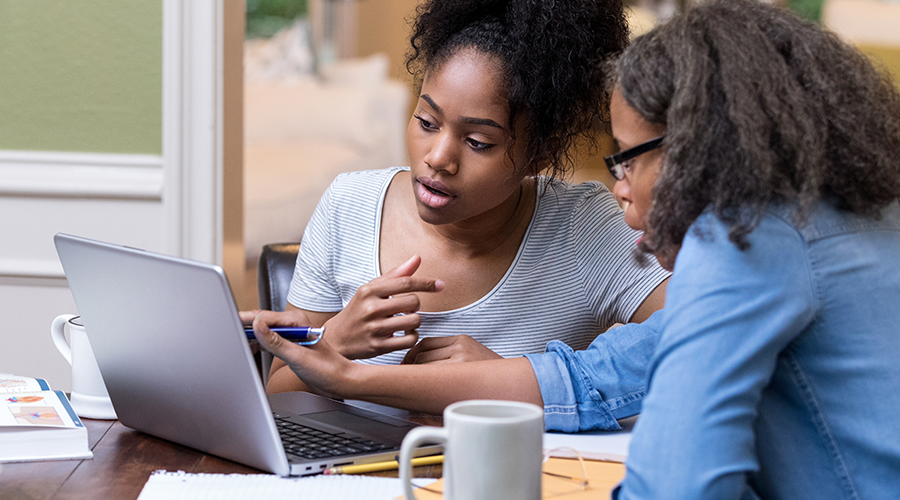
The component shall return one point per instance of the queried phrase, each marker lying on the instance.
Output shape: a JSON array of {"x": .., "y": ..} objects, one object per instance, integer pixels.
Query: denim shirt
[{"x": 776, "y": 370}]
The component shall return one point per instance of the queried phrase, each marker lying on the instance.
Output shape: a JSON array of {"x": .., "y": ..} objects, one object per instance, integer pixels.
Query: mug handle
[
  {"x": 57, "y": 333},
  {"x": 412, "y": 440}
]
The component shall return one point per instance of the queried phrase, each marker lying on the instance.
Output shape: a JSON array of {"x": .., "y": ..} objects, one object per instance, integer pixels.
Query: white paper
[
  {"x": 595, "y": 445},
  {"x": 179, "y": 485}
]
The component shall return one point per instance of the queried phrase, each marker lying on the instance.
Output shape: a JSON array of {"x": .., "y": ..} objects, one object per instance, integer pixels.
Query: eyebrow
[
  {"x": 618, "y": 146},
  {"x": 464, "y": 119}
]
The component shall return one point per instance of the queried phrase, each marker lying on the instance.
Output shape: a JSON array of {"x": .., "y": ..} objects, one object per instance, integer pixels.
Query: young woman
[{"x": 487, "y": 258}]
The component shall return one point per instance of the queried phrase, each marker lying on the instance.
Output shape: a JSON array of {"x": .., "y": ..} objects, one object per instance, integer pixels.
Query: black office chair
[{"x": 276, "y": 267}]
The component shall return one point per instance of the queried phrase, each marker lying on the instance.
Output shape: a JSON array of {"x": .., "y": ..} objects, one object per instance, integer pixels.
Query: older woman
[{"x": 776, "y": 187}]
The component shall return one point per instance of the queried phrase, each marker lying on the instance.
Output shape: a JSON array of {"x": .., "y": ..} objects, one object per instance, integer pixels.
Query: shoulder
[
  {"x": 369, "y": 179},
  {"x": 777, "y": 253},
  {"x": 775, "y": 231},
  {"x": 588, "y": 200},
  {"x": 361, "y": 186}
]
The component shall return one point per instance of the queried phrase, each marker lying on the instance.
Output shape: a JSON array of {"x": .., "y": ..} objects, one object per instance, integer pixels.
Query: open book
[{"x": 37, "y": 423}]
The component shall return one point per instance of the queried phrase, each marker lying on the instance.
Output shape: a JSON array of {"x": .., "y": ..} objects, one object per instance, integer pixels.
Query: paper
[
  {"x": 595, "y": 445},
  {"x": 602, "y": 478},
  {"x": 10, "y": 383},
  {"x": 180, "y": 485}
]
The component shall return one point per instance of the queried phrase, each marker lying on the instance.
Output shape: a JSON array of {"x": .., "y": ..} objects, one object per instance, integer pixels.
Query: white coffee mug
[
  {"x": 89, "y": 397},
  {"x": 492, "y": 451}
]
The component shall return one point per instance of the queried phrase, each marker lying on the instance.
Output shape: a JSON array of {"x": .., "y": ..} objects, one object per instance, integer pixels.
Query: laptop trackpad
[{"x": 348, "y": 421}]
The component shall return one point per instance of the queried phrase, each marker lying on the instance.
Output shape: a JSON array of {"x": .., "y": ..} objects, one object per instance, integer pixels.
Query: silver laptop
[{"x": 177, "y": 365}]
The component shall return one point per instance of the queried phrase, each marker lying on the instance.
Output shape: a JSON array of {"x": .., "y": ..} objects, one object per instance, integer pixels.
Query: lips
[{"x": 433, "y": 193}]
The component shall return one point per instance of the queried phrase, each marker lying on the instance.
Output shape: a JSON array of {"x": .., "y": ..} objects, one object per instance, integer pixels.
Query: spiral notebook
[{"x": 164, "y": 485}]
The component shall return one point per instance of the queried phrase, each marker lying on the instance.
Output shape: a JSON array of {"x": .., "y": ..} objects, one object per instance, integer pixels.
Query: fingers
[
  {"x": 318, "y": 366},
  {"x": 406, "y": 269},
  {"x": 454, "y": 349},
  {"x": 411, "y": 355},
  {"x": 387, "y": 304},
  {"x": 389, "y": 308},
  {"x": 406, "y": 341},
  {"x": 401, "y": 280},
  {"x": 275, "y": 318},
  {"x": 388, "y": 325},
  {"x": 263, "y": 320},
  {"x": 429, "y": 350},
  {"x": 268, "y": 339},
  {"x": 384, "y": 287},
  {"x": 247, "y": 317}
]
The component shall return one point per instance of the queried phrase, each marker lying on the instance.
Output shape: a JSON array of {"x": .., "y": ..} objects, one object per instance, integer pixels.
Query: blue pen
[{"x": 303, "y": 335}]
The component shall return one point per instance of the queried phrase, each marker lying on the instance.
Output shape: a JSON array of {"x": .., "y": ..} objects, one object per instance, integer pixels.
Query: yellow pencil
[{"x": 380, "y": 466}]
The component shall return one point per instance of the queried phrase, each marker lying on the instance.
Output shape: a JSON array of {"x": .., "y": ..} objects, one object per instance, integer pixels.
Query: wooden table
[{"x": 123, "y": 460}]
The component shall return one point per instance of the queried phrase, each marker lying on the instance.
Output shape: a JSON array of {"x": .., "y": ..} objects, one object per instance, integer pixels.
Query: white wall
[{"x": 180, "y": 202}]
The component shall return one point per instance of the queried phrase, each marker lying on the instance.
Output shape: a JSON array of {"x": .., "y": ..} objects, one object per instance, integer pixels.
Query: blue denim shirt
[{"x": 776, "y": 372}]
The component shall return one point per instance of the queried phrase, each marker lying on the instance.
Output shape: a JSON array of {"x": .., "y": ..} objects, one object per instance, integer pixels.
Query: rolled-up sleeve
[{"x": 591, "y": 389}]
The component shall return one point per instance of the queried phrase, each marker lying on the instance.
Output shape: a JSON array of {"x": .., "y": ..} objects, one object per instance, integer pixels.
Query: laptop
[{"x": 177, "y": 365}]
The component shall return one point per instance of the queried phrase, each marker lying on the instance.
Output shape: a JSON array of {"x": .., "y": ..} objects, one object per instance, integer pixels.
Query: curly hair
[
  {"x": 551, "y": 53},
  {"x": 760, "y": 107}
]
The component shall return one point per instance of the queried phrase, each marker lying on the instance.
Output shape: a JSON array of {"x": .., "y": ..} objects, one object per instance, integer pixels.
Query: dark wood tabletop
[{"x": 123, "y": 461}]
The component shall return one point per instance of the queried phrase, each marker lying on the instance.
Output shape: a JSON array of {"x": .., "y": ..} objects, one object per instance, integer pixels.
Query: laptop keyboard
[{"x": 307, "y": 443}]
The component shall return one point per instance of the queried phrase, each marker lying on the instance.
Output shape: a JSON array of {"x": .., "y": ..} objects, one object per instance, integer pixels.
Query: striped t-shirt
[{"x": 573, "y": 277}]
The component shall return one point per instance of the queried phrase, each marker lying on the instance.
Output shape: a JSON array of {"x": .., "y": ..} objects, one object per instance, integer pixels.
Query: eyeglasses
[
  {"x": 617, "y": 163},
  {"x": 556, "y": 481}
]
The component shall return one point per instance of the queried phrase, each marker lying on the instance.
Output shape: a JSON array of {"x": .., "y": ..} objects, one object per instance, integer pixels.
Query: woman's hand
[
  {"x": 387, "y": 304},
  {"x": 319, "y": 366},
  {"x": 456, "y": 349},
  {"x": 292, "y": 317}
]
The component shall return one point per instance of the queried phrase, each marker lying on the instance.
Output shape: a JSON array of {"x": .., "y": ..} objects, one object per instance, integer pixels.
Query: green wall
[{"x": 82, "y": 75}]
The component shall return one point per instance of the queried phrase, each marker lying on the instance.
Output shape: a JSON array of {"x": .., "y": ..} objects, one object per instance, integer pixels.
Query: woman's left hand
[{"x": 456, "y": 349}]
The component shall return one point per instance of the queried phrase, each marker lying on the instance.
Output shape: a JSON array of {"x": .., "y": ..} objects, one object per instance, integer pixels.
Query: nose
[
  {"x": 622, "y": 192},
  {"x": 443, "y": 155}
]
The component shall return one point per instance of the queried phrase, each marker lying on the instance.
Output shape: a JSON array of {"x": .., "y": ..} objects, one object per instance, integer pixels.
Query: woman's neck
[{"x": 489, "y": 232}]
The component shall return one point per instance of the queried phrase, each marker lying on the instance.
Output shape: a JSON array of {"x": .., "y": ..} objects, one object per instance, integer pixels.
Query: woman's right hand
[
  {"x": 387, "y": 304},
  {"x": 319, "y": 366}
]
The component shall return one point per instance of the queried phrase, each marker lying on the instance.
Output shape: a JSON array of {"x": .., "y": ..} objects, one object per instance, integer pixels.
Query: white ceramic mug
[
  {"x": 89, "y": 397},
  {"x": 492, "y": 451}
]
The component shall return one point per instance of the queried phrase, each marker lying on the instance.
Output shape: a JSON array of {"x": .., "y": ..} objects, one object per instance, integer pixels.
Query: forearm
[
  {"x": 423, "y": 388},
  {"x": 282, "y": 379},
  {"x": 430, "y": 388}
]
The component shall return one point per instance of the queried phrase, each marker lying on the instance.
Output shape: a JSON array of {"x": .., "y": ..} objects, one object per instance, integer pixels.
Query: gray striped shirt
[{"x": 573, "y": 277}]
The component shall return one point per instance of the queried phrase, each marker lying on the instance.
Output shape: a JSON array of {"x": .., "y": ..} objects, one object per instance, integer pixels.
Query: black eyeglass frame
[{"x": 614, "y": 162}]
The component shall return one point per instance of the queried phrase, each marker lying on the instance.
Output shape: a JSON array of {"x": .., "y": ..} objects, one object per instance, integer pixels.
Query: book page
[
  {"x": 36, "y": 409},
  {"x": 15, "y": 383}
]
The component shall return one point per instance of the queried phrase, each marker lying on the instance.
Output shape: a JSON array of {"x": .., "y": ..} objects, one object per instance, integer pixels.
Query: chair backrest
[{"x": 276, "y": 268}]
